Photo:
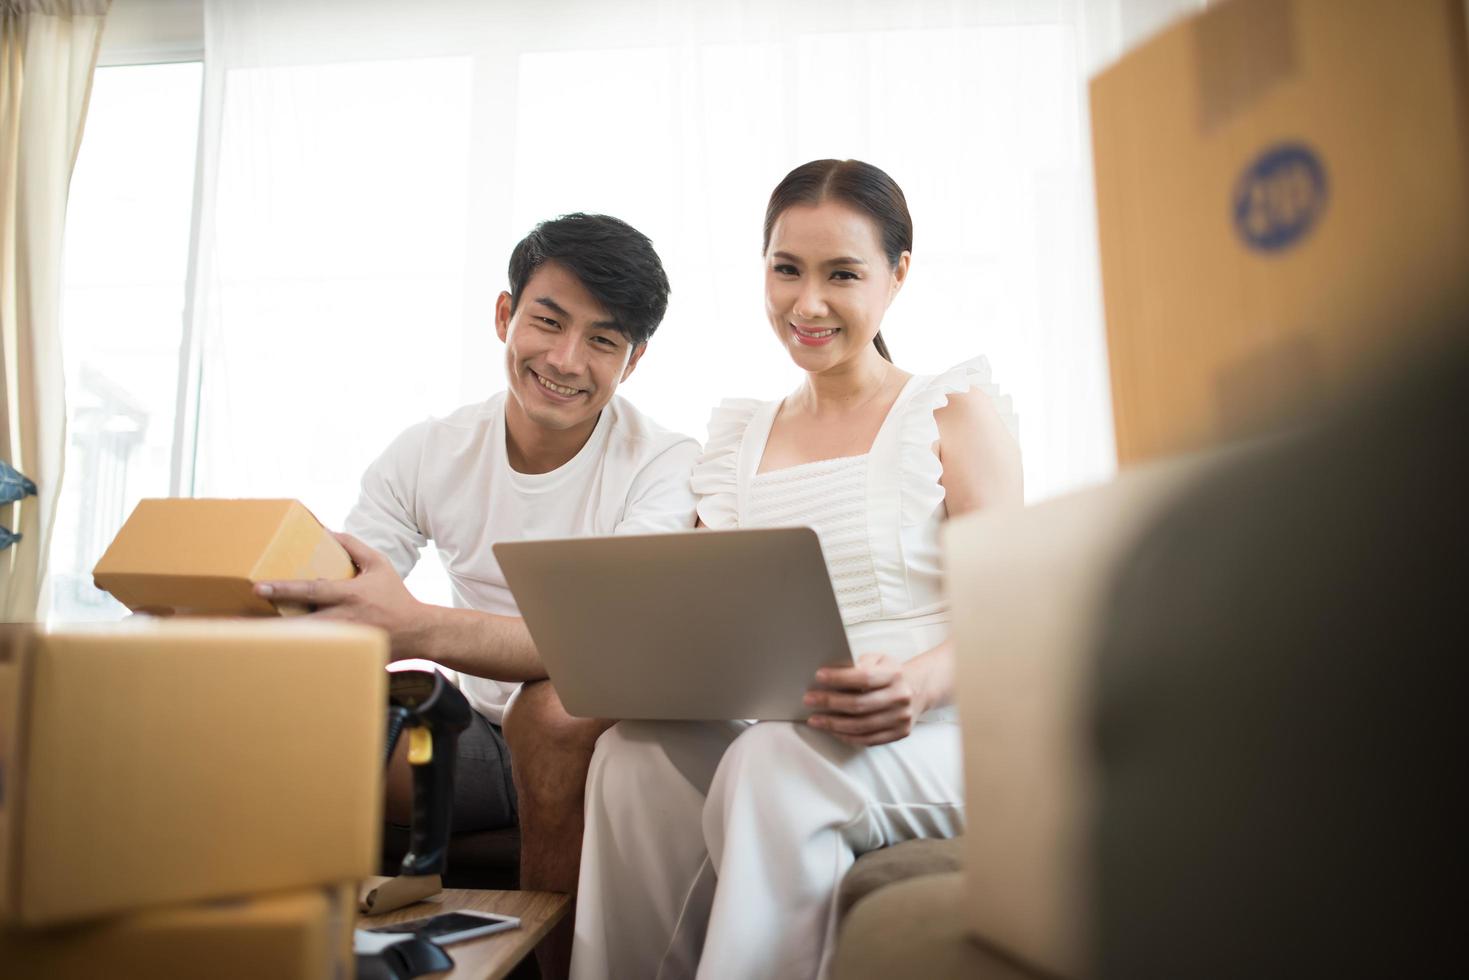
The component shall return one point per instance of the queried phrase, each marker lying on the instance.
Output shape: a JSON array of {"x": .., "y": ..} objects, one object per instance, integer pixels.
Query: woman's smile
[{"x": 814, "y": 336}]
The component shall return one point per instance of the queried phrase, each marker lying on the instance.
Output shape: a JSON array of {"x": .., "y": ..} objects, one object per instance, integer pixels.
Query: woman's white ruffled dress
[{"x": 715, "y": 850}]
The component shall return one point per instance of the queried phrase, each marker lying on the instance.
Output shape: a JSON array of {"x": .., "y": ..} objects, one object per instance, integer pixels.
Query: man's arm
[
  {"x": 659, "y": 499},
  {"x": 387, "y": 531},
  {"x": 466, "y": 640},
  {"x": 386, "y": 516}
]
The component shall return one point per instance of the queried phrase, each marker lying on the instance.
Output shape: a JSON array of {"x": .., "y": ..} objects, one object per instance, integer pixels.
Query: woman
[{"x": 716, "y": 849}]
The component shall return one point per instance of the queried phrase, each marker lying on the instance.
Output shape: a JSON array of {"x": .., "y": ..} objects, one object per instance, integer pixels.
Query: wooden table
[{"x": 490, "y": 957}]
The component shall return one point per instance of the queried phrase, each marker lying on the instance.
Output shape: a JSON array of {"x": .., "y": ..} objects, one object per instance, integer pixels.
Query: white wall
[{"x": 153, "y": 31}]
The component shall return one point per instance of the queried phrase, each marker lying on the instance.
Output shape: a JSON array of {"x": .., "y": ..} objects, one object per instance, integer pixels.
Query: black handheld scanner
[{"x": 434, "y": 712}]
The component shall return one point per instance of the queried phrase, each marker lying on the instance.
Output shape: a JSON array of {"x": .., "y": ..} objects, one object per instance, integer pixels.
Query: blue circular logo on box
[{"x": 1280, "y": 197}]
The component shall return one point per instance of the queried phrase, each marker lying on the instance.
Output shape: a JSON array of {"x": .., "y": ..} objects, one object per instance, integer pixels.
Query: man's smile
[{"x": 560, "y": 390}]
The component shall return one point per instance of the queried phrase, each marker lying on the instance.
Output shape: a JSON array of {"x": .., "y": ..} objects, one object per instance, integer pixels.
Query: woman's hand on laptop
[{"x": 869, "y": 704}]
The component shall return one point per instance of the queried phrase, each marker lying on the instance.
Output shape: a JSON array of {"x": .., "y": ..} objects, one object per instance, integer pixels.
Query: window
[
  {"x": 130, "y": 215},
  {"x": 123, "y": 282},
  {"x": 336, "y": 294},
  {"x": 371, "y": 174}
]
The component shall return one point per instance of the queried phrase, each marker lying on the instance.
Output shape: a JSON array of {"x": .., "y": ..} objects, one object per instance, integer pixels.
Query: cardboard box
[
  {"x": 304, "y": 935},
  {"x": 203, "y": 557},
  {"x": 1283, "y": 202},
  {"x": 158, "y": 762}
]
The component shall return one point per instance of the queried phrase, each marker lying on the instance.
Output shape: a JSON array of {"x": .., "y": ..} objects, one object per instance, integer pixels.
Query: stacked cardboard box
[
  {"x": 300, "y": 935},
  {"x": 154, "y": 765}
]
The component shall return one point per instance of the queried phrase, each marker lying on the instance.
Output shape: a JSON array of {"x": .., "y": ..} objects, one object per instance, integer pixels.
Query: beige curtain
[{"x": 48, "y": 49}]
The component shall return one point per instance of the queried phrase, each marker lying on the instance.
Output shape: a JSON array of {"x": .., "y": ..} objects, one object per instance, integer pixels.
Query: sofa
[
  {"x": 902, "y": 914},
  {"x": 1266, "y": 735}
]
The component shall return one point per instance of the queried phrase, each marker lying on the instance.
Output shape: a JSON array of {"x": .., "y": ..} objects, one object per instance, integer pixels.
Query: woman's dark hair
[
  {"x": 613, "y": 260},
  {"x": 858, "y": 185}
]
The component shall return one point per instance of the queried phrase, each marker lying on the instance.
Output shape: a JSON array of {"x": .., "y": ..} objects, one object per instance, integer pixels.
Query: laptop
[{"x": 695, "y": 626}]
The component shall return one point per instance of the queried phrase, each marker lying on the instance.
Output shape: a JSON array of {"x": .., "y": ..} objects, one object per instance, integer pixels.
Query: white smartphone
[{"x": 450, "y": 927}]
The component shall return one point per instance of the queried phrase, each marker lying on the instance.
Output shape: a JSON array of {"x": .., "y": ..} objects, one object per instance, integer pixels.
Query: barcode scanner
[{"x": 434, "y": 713}]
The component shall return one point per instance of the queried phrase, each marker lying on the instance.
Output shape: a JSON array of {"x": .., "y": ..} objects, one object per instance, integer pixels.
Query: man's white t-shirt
[{"x": 450, "y": 480}]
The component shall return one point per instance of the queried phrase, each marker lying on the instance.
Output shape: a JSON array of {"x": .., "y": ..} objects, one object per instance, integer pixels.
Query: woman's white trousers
[{"x": 714, "y": 850}]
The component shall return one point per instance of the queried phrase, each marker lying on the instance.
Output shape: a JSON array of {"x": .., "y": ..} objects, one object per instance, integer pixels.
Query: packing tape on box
[
  {"x": 404, "y": 890},
  {"x": 1243, "y": 49}
]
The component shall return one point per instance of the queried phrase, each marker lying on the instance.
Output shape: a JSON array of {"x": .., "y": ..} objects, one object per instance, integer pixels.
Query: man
[{"x": 555, "y": 455}]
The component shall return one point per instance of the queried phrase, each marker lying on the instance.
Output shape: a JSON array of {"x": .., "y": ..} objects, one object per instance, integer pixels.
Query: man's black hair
[{"x": 613, "y": 261}]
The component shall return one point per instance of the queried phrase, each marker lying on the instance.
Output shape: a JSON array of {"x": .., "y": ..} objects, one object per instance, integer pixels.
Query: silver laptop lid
[{"x": 699, "y": 625}]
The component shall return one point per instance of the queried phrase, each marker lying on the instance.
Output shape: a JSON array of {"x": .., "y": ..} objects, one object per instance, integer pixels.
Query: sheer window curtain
[
  {"x": 367, "y": 166},
  {"x": 48, "y": 49}
]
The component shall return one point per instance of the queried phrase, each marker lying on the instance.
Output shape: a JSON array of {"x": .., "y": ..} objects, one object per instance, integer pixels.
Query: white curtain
[
  {"x": 48, "y": 49},
  {"x": 368, "y": 166}
]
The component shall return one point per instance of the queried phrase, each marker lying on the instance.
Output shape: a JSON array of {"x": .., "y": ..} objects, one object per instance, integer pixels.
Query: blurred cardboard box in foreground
[
  {"x": 160, "y": 762},
  {"x": 1283, "y": 201},
  {"x": 202, "y": 557},
  {"x": 302, "y": 935}
]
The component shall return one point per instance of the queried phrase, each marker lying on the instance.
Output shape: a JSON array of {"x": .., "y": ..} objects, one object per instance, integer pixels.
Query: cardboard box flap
[{"x": 300, "y": 550}]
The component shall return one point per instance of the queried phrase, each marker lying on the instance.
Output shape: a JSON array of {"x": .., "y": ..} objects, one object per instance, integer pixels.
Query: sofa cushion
[
  {"x": 916, "y": 928},
  {"x": 909, "y": 859}
]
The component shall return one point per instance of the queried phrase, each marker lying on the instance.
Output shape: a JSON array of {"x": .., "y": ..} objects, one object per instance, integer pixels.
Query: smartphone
[{"x": 451, "y": 927}]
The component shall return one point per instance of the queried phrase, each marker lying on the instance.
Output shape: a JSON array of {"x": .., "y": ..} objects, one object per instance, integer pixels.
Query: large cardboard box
[
  {"x": 1283, "y": 203},
  {"x": 303, "y": 935},
  {"x": 198, "y": 556},
  {"x": 158, "y": 762}
]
